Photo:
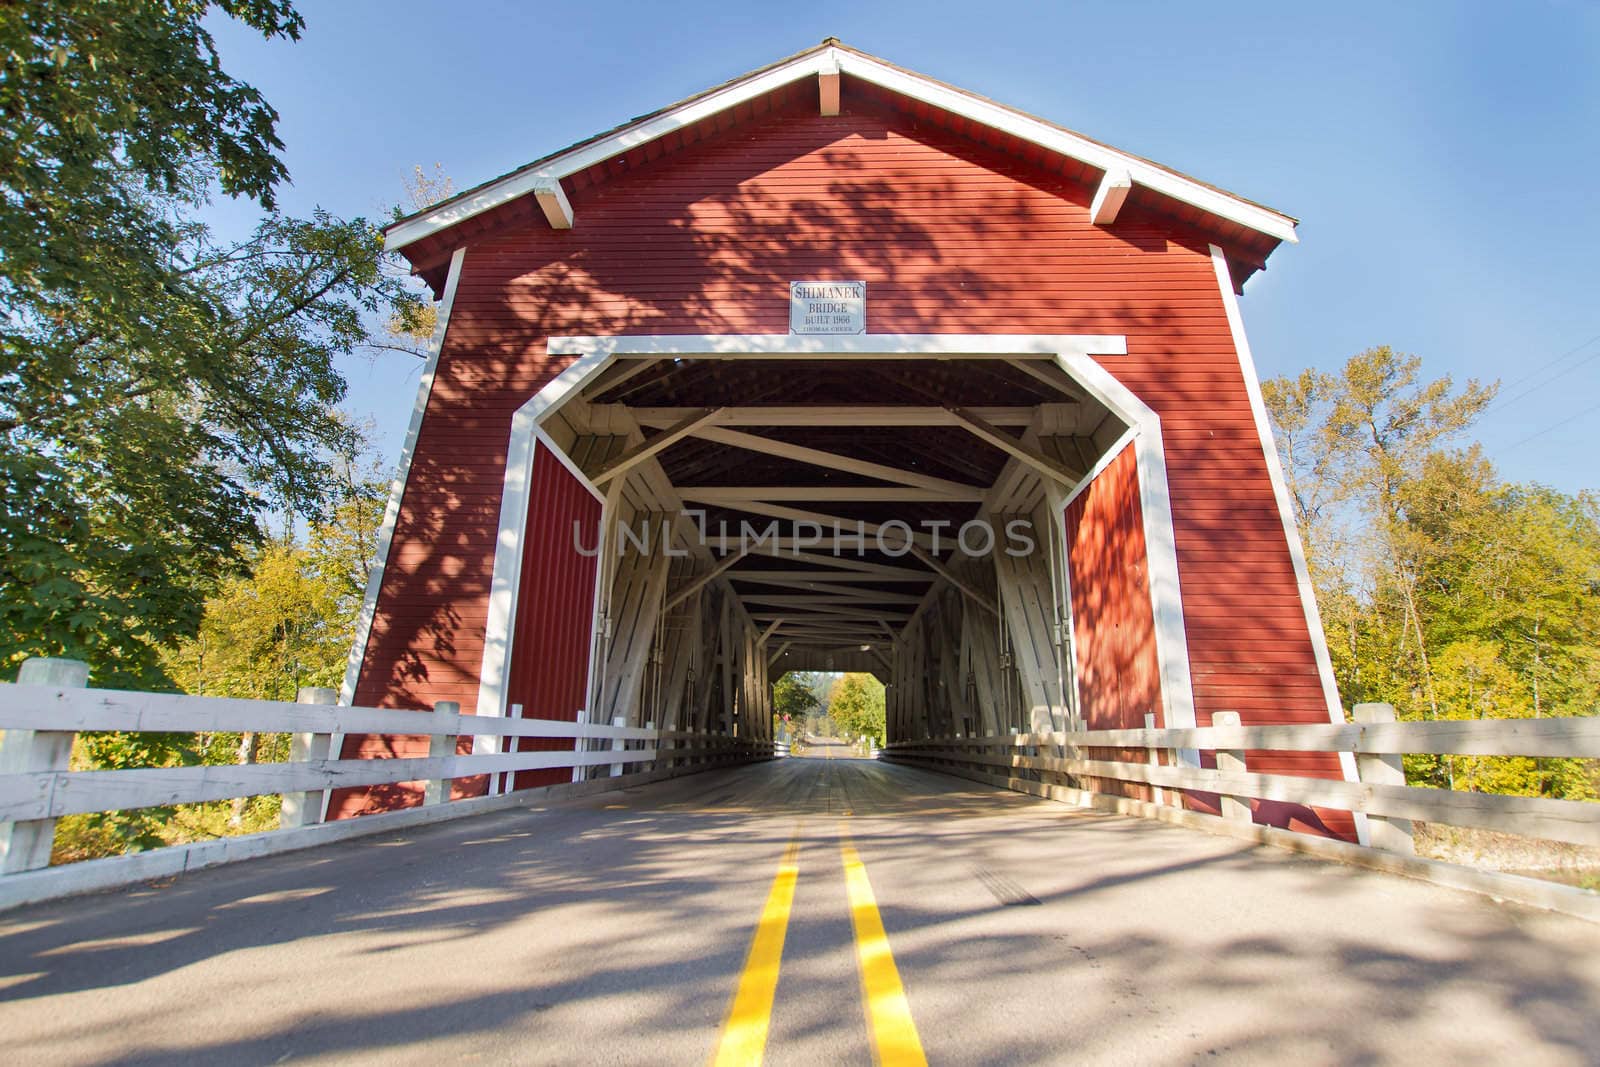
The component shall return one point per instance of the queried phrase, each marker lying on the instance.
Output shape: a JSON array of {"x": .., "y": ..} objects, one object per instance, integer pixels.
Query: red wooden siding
[
  {"x": 1113, "y": 622},
  {"x": 952, "y": 237},
  {"x": 551, "y": 634}
]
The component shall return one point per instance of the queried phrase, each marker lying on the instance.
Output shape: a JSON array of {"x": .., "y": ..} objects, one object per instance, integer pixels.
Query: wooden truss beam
[
  {"x": 811, "y": 579},
  {"x": 705, "y": 579},
  {"x": 810, "y": 415},
  {"x": 617, "y": 374},
  {"x": 950, "y": 576},
  {"x": 974, "y": 423},
  {"x": 733, "y": 494},
  {"x": 645, "y": 450},
  {"x": 851, "y": 598},
  {"x": 1047, "y": 374},
  {"x": 847, "y": 527},
  {"x": 813, "y": 612},
  {"x": 830, "y": 460}
]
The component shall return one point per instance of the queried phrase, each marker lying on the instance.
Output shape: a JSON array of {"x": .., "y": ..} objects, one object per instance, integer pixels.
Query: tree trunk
[{"x": 247, "y": 756}]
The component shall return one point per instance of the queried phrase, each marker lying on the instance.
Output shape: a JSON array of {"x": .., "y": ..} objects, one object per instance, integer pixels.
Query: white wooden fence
[
  {"x": 1381, "y": 794},
  {"x": 37, "y": 787}
]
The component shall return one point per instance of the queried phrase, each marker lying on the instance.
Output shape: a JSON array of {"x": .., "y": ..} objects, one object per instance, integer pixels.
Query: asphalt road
[{"x": 617, "y": 929}]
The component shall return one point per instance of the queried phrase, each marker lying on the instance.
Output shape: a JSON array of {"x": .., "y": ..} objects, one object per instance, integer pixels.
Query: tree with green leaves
[
  {"x": 287, "y": 623},
  {"x": 857, "y": 706},
  {"x": 160, "y": 390},
  {"x": 793, "y": 699},
  {"x": 1444, "y": 591}
]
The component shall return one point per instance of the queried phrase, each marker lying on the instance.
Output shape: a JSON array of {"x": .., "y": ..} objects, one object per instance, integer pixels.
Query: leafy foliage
[
  {"x": 792, "y": 697},
  {"x": 857, "y": 706},
  {"x": 288, "y": 623},
  {"x": 160, "y": 391},
  {"x": 1444, "y": 591}
]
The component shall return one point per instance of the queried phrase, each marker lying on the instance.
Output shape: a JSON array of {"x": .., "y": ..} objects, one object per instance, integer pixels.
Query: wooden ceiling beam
[
  {"x": 809, "y": 579},
  {"x": 734, "y": 494},
  {"x": 818, "y": 457},
  {"x": 840, "y": 562},
  {"x": 824, "y": 521},
  {"x": 813, "y": 415},
  {"x": 849, "y": 598}
]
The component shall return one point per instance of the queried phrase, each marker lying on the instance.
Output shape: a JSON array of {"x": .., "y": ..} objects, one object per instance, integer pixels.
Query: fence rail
[
  {"x": 1171, "y": 761},
  {"x": 37, "y": 787}
]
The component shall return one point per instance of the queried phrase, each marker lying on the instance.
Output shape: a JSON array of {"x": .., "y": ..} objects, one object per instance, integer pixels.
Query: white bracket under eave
[
  {"x": 828, "y": 86},
  {"x": 1109, "y": 198},
  {"x": 553, "y": 199}
]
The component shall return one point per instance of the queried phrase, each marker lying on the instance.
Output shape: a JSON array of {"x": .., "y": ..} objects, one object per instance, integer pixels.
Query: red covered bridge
[
  {"x": 833, "y": 367},
  {"x": 1025, "y": 477}
]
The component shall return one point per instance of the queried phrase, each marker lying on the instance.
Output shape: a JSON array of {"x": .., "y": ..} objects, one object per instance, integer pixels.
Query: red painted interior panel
[
  {"x": 551, "y": 634},
  {"x": 1113, "y": 623}
]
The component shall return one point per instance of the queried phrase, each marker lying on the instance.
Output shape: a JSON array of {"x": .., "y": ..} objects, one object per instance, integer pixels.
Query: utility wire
[
  {"x": 1551, "y": 428},
  {"x": 1507, "y": 401}
]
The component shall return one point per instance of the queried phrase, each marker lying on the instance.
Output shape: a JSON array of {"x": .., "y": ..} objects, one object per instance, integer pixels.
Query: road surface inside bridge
[{"x": 619, "y": 928}]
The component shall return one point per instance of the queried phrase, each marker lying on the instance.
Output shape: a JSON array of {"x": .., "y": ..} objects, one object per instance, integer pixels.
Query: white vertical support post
[
  {"x": 618, "y": 744},
  {"x": 305, "y": 808},
  {"x": 649, "y": 725},
  {"x": 1391, "y": 835},
  {"x": 1231, "y": 761},
  {"x": 442, "y": 744},
  {"x": 25, "y": 846},
  {"x": 1156, "y": 791},
  {"x": 580, "y": 745}
]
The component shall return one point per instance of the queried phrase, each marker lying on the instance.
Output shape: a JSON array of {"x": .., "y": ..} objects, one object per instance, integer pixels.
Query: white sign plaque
[{"x": 827, "y": 307}]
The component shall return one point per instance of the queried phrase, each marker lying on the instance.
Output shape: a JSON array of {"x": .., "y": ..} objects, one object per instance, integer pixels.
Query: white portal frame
[{"x": 1072, "y": 353}]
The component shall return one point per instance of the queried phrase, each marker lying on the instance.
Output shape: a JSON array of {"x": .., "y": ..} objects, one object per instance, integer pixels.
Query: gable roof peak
[{"x": 1121, "y": 171}]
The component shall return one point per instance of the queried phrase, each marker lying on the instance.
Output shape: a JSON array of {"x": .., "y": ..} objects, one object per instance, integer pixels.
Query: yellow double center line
[
  {"x": 894, "y": 1035},
  {"x": 744, "y": 1035}
]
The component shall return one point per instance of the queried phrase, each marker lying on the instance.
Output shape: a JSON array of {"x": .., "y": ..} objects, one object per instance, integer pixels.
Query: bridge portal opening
[{"x": 972, "y": 528}]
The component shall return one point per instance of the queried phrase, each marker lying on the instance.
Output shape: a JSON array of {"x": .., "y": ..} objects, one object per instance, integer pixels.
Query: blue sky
[{"x": 1442, "y": 157}]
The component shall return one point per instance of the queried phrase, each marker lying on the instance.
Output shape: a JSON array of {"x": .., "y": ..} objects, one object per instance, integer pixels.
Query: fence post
[
  {"x": 447, "y": 718},
  {"x": 1156, "y": 792},
  {"x": 305, "y": 808},
  {"x": 1391, "y": 835},
  {"x": 25, "y": 846},
  {"x": 618, "y": 744},
  {"x": 1231, "y": 761},
  {"x": 580, "y": 745}
]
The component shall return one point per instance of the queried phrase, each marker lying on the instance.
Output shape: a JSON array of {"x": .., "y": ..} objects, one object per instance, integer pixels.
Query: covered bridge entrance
[{"x": 835, "y": 367}]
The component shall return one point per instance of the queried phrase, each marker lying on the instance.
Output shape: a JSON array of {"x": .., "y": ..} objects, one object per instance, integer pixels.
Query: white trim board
[
  {"x": 828, "y": 60},
  {"x": 391, "y": 514},
  {"x": 1161, "y": 545},
  {"x": 1291, "y": 533},
  {"x": 1074, "y": 354},
  {"x": 397, "y": 487},
  {"x": 862, "y": 346},
  {"x": 505, "y": 584}
]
